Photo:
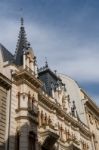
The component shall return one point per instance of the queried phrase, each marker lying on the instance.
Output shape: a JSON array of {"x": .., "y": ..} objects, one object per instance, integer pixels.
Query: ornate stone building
[{"x": 40, "y": 109}]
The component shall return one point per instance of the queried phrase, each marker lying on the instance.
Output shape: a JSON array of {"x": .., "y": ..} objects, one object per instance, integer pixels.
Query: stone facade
[
  {"x": 92, "y": 116},
  {"x": 40, "y": 110},
  {"x": 5, "y": 86}
]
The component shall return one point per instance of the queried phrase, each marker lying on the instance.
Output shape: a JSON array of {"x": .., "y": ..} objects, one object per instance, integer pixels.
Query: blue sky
[{"x": 64, "y": 31}]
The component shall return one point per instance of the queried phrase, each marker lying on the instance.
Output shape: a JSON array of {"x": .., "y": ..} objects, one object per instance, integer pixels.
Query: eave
[
  {"x": 47, "y": 70},
  {"x": 24, "y": 74}
]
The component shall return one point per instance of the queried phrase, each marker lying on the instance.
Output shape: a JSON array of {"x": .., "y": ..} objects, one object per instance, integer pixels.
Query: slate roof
[
  {"x": 21, "y": 44},
  {"x": 47, "y": 76},
  {"x": 7, "y": 56}
]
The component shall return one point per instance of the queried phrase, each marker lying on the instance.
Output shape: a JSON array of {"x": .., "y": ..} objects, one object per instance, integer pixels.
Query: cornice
[
  {"x": 40, "y": 103},
  {"x": 92, "y": 108},
  {"x": 90, "y": 103},
  {"x": 33, "y": 112},
  {"x": 47, "y": 101},
  {"x": 24, "y": 74},
  {"x": 84, "y": 136},
  {"x": 89, "y": 110},
  {"x": 33, "y": 119},
  {"x": 21, "y": 81}
]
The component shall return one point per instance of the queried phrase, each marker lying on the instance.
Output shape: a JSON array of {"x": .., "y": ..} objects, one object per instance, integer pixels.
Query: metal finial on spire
[
  {"x": 22, "y": 22},
  {"x": 46, "y": 63}
]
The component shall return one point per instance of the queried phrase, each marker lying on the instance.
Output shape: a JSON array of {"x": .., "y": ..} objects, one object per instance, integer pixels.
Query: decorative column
[
  {"x": 24, "y": 59},
  {"x": 18, "y": 100},
  {"x": 31, "y": 65},
  {"x": 35, "y": 67},
  {"x": 27, "y": 61}
]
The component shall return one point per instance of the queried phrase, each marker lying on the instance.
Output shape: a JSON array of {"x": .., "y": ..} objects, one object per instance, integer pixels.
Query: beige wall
[{"x": 93, "y": 122}]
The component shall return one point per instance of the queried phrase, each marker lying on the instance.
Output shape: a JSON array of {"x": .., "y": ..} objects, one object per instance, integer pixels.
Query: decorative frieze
[{"x": 44, "y": 119}]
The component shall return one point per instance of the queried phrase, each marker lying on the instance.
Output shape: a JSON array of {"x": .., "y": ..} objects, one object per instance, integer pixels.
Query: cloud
[
  {"x": 68, "y": 35},
  {"x": 92, "y": 89},
  {"x": 76, "y": 59}
]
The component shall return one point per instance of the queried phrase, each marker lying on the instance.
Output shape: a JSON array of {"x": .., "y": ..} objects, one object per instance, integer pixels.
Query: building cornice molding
[
  {"x": 40, "y": 103},
  {"x": 24, "y": 74},
  {"x": 33, "y": 119},
  {"x": 89, "y": 110},
  {"x": 24, "y": 81},
  {"x": 46, "y": 100},
  {"x": 90, "y": 103}
]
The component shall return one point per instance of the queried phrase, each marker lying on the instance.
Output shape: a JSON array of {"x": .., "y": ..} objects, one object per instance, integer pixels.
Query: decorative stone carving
[
  {"x": 84, "y": 146},
  {"x": 73, "y": 109}
]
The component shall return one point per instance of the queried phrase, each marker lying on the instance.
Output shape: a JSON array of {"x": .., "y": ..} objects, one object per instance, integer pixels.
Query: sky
[{"x": 66, "y": 32}]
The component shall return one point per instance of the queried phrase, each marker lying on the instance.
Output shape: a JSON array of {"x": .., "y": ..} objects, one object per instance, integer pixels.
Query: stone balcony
[{"x": 27, "y": 76}]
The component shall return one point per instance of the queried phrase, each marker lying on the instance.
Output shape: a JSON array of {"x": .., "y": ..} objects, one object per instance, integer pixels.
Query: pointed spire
[{"x": 21, "y": 44}]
